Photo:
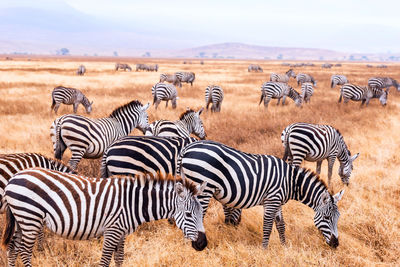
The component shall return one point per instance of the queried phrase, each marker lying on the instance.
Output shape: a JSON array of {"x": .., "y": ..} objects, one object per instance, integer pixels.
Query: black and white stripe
[
  {"x": 189, "y": 122},
  {"x": 338, "y": 80},
  {"x": 82, "y": 208},
  {"x": 284, "y": 78},
  {"x": 362, "y": 93},
  {"x": 131, "y": 155},
  {"x": 69, "y": 96},
  {"x": 241, "y": 180},
  {"x": 214, "y": 95},
  {"x": 88, "y": 138},
  {"x": 278, "y": 90},
  {"x": 164, "y": 92},
  {"x": 122, "y": 66},
  {"x": 305, "y": 78},
  {"x": 81, "y": 70},
  {"x": 187, "y": 77},
  {"x": 383, "y": 83},
  {"x": 171, "y": 78},
  {"x": 307, "y": 91},
  {"x": 315, "y": 142}
]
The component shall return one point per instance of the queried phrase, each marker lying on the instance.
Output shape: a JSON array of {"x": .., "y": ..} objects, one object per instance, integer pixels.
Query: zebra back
[{"x": 214, "y": 95}]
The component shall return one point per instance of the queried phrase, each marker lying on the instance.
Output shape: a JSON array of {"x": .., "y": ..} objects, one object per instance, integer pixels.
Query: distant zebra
[
  {"x": 305, "y": 78},
  {"x": 81, "y": 208},
  {"x": 122, "y": 66},
  {"x": 369, "y": 66},
  {"x": 338, "y": 65},
  {"x": 141, "y": 67},
  {"x": 214, "y": 95},
  {"x": 189, "y": 122},
  {"x": 382, "y": 66},
  {"x": 11, "y": 164},
  {"x": 152, "y": 67},
  {"x": 278, "y": 90},
  {"x": 307, "y": 91},
  {"x": 383, "y": 82},
  {"x": 327, "y": 65},
  {"x": 164, "y": 92},
  {"x": 284, "y": 78},
  {"x": 88, "y": 138},
  {"x": 187, "y": 77},
  {"x": 241, "y": 180},
  {"x": 69, "y": 96},
  {"x": 362, "y": 93},
  {"x": 81, "y": 70},
  {"x": 132, "y": 155},
  {"x": 314, "y": 142},
  {"x": 255, "y": 68},
  {"x": 171, "y": 78},
  {"x": 338, "y": 80}
]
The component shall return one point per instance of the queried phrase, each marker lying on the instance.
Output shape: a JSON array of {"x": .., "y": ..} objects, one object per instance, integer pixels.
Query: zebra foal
[
  {"x": 64, "y": 203},
  {"x": 214, "y": 95},
  {"x": 69, "y": 96}
]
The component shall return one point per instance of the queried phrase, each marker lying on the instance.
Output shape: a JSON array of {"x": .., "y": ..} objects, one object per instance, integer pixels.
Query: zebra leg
[
  {"x": 166, "y": 103},
  {"x": 367, "y": 101},
  {"x": 27, "y": 242},
  {"x": 77, "y": 154},
  {"x": 112, "y": 239},
  {"x": 232, "y": 216},
  {"x": 40, "y": 244},
  {"x": 13, "y": 248},
  {"x": 270, "y": 210},
  {"x": 280, "y": 225},
  {"x": 76, "y": 107},
  {"x": 266, "y": 101},
  {"x": 57, "y": 106},
  {"x": 331, "y": 161},
  {"x": 319, "y": 163},
  {"x": 119, "y": 253},
  {"x": 283, "y": 100},
  {"x": 362, "y": 102},
  {"x": 279, "y": 100},
  {"x": 157, "y": 103}
]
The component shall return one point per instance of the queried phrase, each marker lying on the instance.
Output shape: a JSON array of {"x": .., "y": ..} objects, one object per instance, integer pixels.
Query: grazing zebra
[
  {"x": 88, "y": 138},
  {"x": 307, "y": 91},
  {"x": 241, "y": 180},
  {"x": 362, "y": 93},
  {"x": 187, "y": 77},
  {"x": 278, "y": 90},
  {"x": 369, "y": 66},
  {"x": 82, "y": 208},
  {"x": 122, "y": 66},
  {"x": 338, "y": 80},
  {"x": 152, "y": 67},
  {"x": 314, "y": 142},
  {"x": 81, "y": 70},
  {"x": 381, "y": 66},
  {"x": 255, "y": 68},
  {"x": 69, "y": 96},
  {"x": 171, "y": 78},
  {"x": 189, "y": 122},
  {"x": 338, "y": 65},
  {"x": 132, "y": 155},
  {"x": 284, "y": 78},
  {"x": 164, "y": 92},
  {"x": 327, "y": 65},
  {"x": 305, "y": 78},
  {"x": 214, "y": 95},
  {"x": 383, "y": 82},
  {"x": 141, "y": 67}
]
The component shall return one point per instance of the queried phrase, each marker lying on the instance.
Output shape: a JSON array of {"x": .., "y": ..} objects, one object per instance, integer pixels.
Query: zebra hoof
[{"x": 201, "y": 242}]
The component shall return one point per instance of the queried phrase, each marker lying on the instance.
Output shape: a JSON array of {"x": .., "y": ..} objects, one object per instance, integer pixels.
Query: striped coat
[
  {"x": 383, "y": 82},
  {"x": 88, "y": 138},
  {"x": 277, "y": 90},
  {"x": 69, "y": 96},
  {"x": 305, "y": 78},
  {"x": 307, "y": 91},
  {"x": 171, "y": 78},
  {"x": 81, "y": 70},
  {"x": 362, "y": 93},
  {"x": 164, "y": 92},
  {"x": 187, "y": 77},
  {"x": 82, "y": 208},
  {"x": 214, "y": 95},
  {"x": 122, "y": 66},
  {"x": 284, "y": 78},
  {"x": 338, "y": 80}
]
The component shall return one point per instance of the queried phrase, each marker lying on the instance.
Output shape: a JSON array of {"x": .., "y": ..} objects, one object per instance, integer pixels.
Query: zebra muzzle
[
  {"x": 333, "y": 242},
  {"x": 201, "y": 242}
]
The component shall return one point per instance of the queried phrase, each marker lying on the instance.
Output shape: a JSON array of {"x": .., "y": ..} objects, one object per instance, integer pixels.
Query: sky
[{"x": 342, "y": 25}]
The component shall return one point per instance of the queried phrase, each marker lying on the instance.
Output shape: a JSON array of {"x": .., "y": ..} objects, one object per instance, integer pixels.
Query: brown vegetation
[{"x": 369, "y": 230}]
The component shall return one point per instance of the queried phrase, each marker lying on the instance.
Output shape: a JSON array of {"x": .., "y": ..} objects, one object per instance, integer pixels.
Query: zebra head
[
  {"x": 189, "y": 213},
  {"x": 383, "y": 97},
  {"x": 143, "y": 120},
  {"x": 89, "y": 108},
  {"x": 346, "y": 167},
  {"x": 290, "y": 73},
  {"x": 198, "y": 125},
  {"x": 327, "y": 216}
]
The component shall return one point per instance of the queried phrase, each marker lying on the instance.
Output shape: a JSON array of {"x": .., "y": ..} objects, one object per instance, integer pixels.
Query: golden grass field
[{"x": 369, "y": 226}]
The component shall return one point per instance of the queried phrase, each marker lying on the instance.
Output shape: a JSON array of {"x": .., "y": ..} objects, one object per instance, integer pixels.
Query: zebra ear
[
  {"x": 325, "y": 197},
  {"x": 91, "y": 103},
  {"x": 200, "y": 188},
  {"x": 180, "y": 189},
  {"x": 200, "y": 111},
  {"x": 146, "y": 107},
  {"x": 338, "y": 196},
  {"x": 355, "y": 156}
]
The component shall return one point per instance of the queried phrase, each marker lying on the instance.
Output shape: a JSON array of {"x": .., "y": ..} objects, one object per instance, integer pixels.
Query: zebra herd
[{"x": 167, "y": 174}]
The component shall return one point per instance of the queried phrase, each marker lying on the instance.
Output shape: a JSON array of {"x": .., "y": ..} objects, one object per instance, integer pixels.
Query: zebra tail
[
  {"x": 262, "y": 98},
  {"x": 103, "y": 168},
  {"x": 340, "y": 97},
  {"x": 331, "y": 84},
  {"x": 53, "y": 104},
  {"x": 59, "y": 145},
  {"x": 9, "y": 229},
  {"x": 287, "y": 152}
]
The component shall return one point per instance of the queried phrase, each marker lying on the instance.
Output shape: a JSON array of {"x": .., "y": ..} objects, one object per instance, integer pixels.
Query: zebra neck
[
  {"x": 85, "y": 102},
  {"x": 344, "y": 153},
  {"x": 293, "y": 95},
  {"x": 127, "y": 121},
  {"x": 186, "y": 121}
]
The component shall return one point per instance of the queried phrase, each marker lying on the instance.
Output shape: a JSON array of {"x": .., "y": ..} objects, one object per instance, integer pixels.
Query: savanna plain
[{"x": 369, "y": 225}]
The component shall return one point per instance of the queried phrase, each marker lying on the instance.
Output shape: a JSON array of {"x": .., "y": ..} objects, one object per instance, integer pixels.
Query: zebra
[
  {"x": 122, "y": 66},
  {"x": 307, "y": 91},
  {"x": 316, "y": 142},
  {"x": 152, "y": 67},
  {"x": 132, "y": 155},
  {"x": 189, "y": 122},
  {"x": 278, "y": 90},
  {"x": 362, "y": 93},
  {"x": 171, "y": 78},
  {"x": 187, "y": 77},
  {"x": 338, "y": 80},
  {"x": 81, "y": 70},
  {"x": 338, "y": 65},
  {"x": 214, "y": 95},
  {"x": 255, "y": 68},
  {"x": 82, "y": 208},
  {"x": 69, "y": 96},
  {"x": 383, "y": 82},
  {"x": 88, "y": 138},
  {"x": 240, "y": 180},
  {"x": 327, "y": 65},
  {"x": 284, "y": 78},
  {"x": 305, "y": 78},
  {"x": 164, "y": 92},
  {"x": 369, "y": 66},
  {"x": 141, "y": 67},
  {"x": 382, "y": 66}
]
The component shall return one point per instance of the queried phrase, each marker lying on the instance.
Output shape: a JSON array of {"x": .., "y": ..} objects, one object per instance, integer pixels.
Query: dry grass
[{"x": 369, "y": 224}]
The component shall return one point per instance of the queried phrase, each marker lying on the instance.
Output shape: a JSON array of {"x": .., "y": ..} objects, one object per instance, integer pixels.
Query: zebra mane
[
  {"x": 186, "y": 113},
  {"x": 123, "y": 107},
  {"x": 344, "y": 143},
  {"x": 310, "y": 173}
]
